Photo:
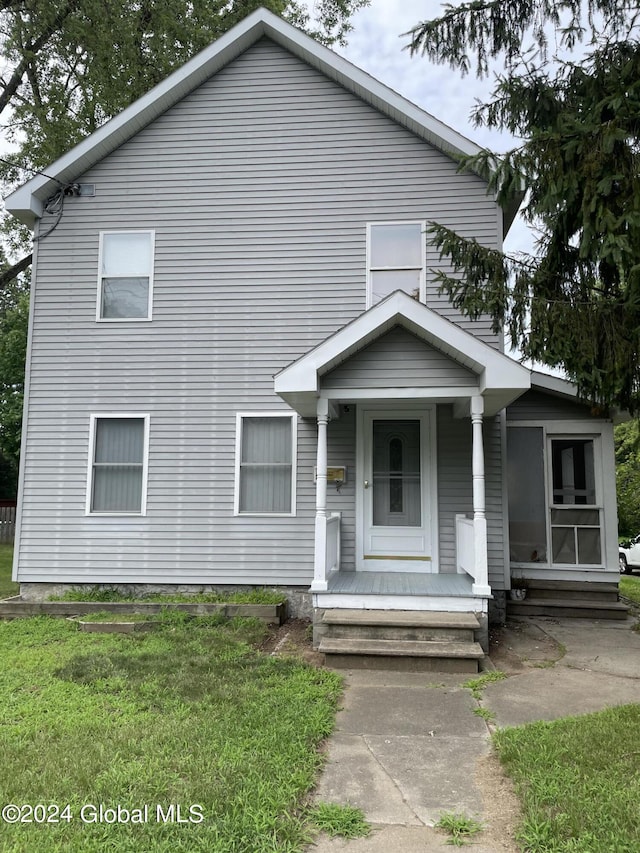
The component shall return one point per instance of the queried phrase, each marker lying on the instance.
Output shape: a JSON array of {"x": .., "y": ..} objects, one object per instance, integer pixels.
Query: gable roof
[
  {"x": 27, "y": 202},
  {"x": 500, "y": 379}
]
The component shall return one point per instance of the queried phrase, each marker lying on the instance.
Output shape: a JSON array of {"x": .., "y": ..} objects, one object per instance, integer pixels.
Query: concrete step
[
  {"x": 415, "y": 656},
  {"x": 400, "y": 625},
  {"x": 406, "y": 618},
  {"x": 574, "y": 608},
  {"x": 572, "y": 590}
]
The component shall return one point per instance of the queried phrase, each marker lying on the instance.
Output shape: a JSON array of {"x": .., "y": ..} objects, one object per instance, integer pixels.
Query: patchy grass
[
  {"x": 108, "y": 594},
  {"x": 630, "y": 587},
  {"x": 477, "y": 685},
  {"x": 578, "y": 781},
  {"x": 334, "y": 819},
  {"x": 7, "y": 587},
  {"x": 190, "y": 715},
  {"x": 487, "y": 715},
  {"x": 459, "y": 827}
]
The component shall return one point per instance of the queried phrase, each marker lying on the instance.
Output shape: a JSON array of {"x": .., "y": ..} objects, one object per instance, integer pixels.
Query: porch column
[
  {"x": 481, "y": 582},
  {"x": 320, "y": 553}
]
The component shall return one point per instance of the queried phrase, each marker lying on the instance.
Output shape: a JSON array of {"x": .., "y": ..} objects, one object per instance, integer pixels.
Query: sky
[{"x": 376, "y": 46}]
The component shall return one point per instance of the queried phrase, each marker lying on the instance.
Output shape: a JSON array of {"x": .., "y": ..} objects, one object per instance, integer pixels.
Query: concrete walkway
[{"x": 409, "y": 747}]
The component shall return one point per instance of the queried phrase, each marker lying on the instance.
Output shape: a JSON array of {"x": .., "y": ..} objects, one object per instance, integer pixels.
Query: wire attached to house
[{"x": 54, "y": 204}]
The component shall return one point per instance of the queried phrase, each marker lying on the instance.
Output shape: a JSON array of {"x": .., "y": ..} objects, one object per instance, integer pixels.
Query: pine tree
[{"x": 574, "y": 304}]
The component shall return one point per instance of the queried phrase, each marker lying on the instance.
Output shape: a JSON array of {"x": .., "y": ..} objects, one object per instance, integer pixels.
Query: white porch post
[
  {"x": 320, "y": 553},
  {"x": 481, "y": 584}
]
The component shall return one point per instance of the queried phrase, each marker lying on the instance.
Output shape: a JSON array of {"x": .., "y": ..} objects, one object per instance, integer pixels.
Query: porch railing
[
  {"x": 333, "y": 543},
  {"x": 471, "y": 552},
  {"x": 465, "y": 546}
]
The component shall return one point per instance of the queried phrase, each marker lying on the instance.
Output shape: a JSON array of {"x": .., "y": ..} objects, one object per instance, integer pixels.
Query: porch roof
[{"x": 495, "y": 376}]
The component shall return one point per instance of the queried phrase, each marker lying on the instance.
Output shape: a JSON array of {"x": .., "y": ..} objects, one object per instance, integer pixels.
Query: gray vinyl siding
[
  {"x": 399, "y": 360},
  {"x": 341, "y": 450},
  {"x": 455, "y": 488},
  {"x": 258, "y": 186},
  {"x": 536, "y": 406}
]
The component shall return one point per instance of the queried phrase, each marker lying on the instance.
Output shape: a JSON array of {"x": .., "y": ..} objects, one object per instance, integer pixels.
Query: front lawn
[
  {"x": 7, "y": 588},
  {"x": 578, "y": 780},
  {"x": 630, "y": 587},
  {"x": 202, "y": 742}
]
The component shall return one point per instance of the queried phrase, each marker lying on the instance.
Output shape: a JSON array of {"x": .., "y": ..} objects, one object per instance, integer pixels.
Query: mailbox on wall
[{"x": 335, "y": 474}]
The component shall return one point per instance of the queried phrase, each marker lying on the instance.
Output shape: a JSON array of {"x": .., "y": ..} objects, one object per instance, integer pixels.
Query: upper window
[
  {"x": 396, "y": 260},
  {"x": 265, "y": 464},
  {"x": 126, "y": 275},
  {"x": 118, "y": 464}
]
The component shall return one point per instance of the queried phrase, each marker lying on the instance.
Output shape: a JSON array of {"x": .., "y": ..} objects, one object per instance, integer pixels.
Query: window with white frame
[
  {"x": 575, "y": 513},
  {"x": 125, "y": 283},
  {"x": 265, "y": 464},
  {"x": 396, "y": 260},
  {"x": 118, "y": 464}
]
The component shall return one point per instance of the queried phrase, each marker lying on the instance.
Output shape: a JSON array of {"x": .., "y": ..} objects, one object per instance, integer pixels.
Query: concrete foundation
[{"x": 299, "y": 604}]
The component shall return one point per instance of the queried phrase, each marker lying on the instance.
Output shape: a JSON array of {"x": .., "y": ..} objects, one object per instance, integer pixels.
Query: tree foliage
[
  {"x": 575, "y": 304},
  {"x": 627, "y": 443},
  {"x": 13, "y": 345}
]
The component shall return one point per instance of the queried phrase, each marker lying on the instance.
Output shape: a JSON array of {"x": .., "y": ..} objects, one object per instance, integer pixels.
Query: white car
[{"x": 629, "y": 556}]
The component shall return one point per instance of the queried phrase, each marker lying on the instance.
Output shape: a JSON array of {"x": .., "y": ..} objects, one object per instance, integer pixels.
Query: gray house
[{"x": 240, "y": 371}]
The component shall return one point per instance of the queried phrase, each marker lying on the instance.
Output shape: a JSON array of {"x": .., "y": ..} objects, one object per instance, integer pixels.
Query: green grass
[
  {"x": 189, "y": 715},
  {"x": 459, "y": 827},
  {"x": 630, "y": 587},
  {"x": 105, "y": 616},
  {"x": 345, "y": 821},
  {"x": 108, "y": 594},
  {"x": 7, "y": 588},
  {"x": 578, "y": 781},
  {"x": 477, "y": 685}
]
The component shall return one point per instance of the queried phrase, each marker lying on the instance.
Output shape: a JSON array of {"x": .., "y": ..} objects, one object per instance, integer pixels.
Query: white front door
[{"x": 395, "y": 504}]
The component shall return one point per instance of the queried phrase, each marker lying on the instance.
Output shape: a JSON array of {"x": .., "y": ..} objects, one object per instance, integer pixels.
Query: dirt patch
[
  {"x": 502, "y": 811},
  {"x": 293, "y": 639},
  {"x": 520, "y": 645}
]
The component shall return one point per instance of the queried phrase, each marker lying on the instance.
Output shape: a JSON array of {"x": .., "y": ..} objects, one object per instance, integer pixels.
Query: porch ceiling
[{"x": 496, "y": 377}]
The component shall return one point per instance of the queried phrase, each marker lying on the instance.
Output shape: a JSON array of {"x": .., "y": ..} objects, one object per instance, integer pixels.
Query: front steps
[
  {"x": 574, "y": 599},
  {"x": 416, "y": 641}
]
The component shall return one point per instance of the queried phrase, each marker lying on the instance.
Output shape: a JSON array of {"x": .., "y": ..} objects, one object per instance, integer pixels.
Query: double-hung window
[
  {"x": 265, "y": 464},
  {"x": 125, "y": 284},
  {"x": 396, "y": 260},
  {"x": 118, "y": 464}
]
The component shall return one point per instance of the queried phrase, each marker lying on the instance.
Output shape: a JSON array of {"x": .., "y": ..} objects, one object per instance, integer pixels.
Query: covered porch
[{"x": 395, "y": 369}]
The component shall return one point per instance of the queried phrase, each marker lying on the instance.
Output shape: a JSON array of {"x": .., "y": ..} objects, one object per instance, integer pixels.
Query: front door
[{"x": 395, "y": 505}]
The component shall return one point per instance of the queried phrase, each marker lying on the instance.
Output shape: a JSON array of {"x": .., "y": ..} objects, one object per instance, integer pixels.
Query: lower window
[
  {"x": 265, "y": 464},
  {"x": 117, "y": 477}
]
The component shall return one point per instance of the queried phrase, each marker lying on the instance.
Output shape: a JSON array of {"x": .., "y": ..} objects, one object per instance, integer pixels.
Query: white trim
[
  {"x": 500, "y": 379},
  {"x": 294, "y": 464},
  {"x": 99, "y": 319},
  {"x": 423, "y": 258},
  {"x": 433, "y": 603},
  {"x": 145, "y": 463},
  {"x": 438, "y": 394},
  {"x": 25, "y": 409},
  {"x": 429, "y": 453}
]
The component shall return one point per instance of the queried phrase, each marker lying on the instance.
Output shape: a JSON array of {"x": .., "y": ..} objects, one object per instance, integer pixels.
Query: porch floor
[{"x": 399, "y": 583}]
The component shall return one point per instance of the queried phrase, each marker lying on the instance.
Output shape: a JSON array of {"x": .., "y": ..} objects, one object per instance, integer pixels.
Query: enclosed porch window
[{"x": 555, "y": 508}]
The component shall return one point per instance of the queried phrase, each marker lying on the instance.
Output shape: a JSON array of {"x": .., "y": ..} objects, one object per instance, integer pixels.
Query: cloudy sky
[{"x": 376, "y": 45}]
